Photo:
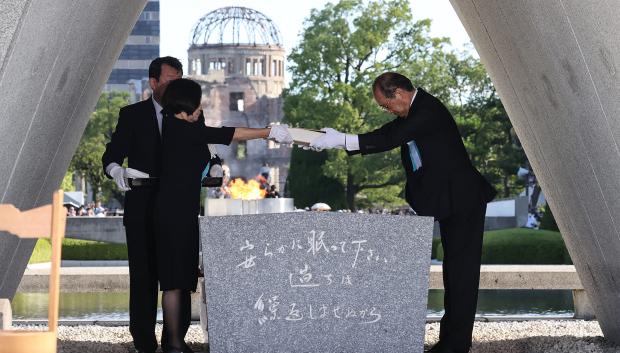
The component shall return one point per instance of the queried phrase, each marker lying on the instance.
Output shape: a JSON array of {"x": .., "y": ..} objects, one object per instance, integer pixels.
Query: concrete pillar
[
  {"x": 583, "y": 307},
  {"x": 204, "y": 324},
  {"x": 197, "y": 299},
  {"x": 55, "y": 56},
  {"x": 555, "y": 66},
  {"x": 6, "y": 315}
]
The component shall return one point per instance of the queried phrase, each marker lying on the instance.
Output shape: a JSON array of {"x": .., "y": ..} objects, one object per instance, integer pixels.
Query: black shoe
[
  {"x": 186, "y": 349},
  {"x": 438, "y": 348}
]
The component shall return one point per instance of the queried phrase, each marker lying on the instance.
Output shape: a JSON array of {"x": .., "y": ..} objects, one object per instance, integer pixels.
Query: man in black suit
[
  {"x": 137, "y": 137},
  {"x": 441, "y": 182}
]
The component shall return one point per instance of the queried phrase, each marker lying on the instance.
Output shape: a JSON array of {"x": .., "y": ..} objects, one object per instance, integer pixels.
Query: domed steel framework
[{"x": 235, "y": 25}]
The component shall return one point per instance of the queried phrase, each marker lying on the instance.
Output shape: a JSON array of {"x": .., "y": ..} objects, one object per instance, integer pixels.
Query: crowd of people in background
[{"x": 91, "y": 209}]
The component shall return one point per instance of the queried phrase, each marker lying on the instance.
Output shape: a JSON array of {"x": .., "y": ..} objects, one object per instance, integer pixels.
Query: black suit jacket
[
  {"x": 136, "y": 138},
  {"x": 447, "y": 183}
]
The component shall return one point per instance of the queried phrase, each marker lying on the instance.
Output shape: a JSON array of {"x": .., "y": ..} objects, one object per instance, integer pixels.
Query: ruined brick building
[{"x": 237, "y": 56}]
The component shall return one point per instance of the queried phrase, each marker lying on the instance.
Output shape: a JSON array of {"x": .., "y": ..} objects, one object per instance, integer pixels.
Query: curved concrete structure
[
  {"x": 55, "y": 56},
  {"x": 555, "y": 65}
]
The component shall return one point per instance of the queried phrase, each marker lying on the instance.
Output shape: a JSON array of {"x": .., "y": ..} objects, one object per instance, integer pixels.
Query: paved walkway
[{"x": 489, "y": 337}]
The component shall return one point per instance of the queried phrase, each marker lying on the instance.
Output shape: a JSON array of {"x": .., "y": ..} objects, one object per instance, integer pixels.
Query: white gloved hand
[
  {"x": 280, "y": 134},
  {"x": 331, "y": 139},
  {"x": 134, "y": 173},
  {"x": 120, "y": 175}
]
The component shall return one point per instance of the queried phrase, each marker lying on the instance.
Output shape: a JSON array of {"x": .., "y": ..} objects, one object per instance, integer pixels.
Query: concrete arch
[
  {"x": 55, "y": 56},
  {"x": 554, "y": 64}
]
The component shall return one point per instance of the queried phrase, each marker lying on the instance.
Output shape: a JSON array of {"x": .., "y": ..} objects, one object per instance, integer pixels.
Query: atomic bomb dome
[
  {"x": 237, "y": 56},
  {"x": 235, "y": 26}
]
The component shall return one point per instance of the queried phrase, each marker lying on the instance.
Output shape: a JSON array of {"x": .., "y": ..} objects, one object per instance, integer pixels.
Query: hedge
[
  {"x": 521, "y": 246},
  {"x": 548, "y": 220},
  {"x": 507, "y": 246}
]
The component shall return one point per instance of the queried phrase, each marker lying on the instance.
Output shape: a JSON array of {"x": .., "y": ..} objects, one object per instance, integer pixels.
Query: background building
[
  {"x": 237, "y": 56},
  {"x": 131, "y": 70}
]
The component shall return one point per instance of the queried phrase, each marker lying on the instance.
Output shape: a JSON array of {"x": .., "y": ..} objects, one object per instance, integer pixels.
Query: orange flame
[{"x": 251, "y": 190}]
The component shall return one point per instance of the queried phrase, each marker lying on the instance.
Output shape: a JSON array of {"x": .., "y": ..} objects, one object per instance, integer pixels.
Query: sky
[{"x": 178, "y": 17}]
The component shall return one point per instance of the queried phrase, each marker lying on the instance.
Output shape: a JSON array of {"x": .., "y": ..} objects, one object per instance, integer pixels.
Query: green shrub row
[
  {"x": 507, "y": 246},
  {"x": 520, "y": 246},
  {"x": 548, "y": 220}
]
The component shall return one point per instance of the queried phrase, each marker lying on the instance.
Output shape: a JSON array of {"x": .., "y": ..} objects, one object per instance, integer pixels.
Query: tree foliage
[
  {"x": 86, "y": 161},
  {"x": 343, "y": 47},
  {"x": 484, "y": 124}
]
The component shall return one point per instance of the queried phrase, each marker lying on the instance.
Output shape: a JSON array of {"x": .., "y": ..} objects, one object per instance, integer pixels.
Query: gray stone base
[
  {"x": 196, "y": 301},
  {"x": 6, "y": 315},
  {"x": 199, "y": 307},
  {"x": 583, "y": 307}
]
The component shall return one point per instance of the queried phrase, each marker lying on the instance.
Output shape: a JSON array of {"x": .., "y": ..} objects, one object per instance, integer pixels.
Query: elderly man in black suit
[{"x": 441, "y": 182}]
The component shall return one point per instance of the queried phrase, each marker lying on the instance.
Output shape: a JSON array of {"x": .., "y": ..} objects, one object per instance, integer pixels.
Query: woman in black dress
[{"x": 184, "y": 156}]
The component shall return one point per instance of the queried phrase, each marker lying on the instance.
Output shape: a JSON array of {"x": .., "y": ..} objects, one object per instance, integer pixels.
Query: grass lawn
[
  {"x": 506, "y": 246},
  {"x": 73, "y": 249}
]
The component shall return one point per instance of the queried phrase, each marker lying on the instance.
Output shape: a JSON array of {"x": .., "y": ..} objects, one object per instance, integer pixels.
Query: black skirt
[{"x": 185, "y": 154}]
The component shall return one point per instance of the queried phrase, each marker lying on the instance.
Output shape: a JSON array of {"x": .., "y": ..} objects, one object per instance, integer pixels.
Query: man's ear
[
  {"x": 153, "y": 83},
  {"x": 399, "y": 92}
]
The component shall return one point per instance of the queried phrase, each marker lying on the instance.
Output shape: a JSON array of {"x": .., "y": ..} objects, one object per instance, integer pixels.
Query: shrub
[
  {"x": 548, "y": 221},
  {"x": 436, "y": 245},
  {"x": 521, "y": 246}
]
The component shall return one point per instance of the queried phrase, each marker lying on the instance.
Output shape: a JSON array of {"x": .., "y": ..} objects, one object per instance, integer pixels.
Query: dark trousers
[
  {"x": 461, "y": 238},
  {"x": 143, "y": 288}
]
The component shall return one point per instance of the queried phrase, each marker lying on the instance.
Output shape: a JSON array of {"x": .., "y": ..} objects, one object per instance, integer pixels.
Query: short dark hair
[
  {"x": 155, "y": 66},
  {"x": 388, "y": 82},
  {"x": 182, "y": 95}
]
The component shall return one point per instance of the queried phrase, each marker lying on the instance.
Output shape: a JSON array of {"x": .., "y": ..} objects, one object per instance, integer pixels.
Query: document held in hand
[{"x": 304, "y": 137}]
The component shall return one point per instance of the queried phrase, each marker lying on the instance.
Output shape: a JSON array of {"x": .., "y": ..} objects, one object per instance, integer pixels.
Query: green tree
[
  {"x": 86, "y": 161},
  {"x": 343, "y": 47},
  {"x": 67, "y": 182},
  {"x": 484, "y": 124},
  {"x": 307, "y": 183}
]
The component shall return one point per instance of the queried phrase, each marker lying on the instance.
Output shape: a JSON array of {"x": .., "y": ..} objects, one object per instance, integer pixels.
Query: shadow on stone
[
  {"x": 68, "y": 346},
  {"x": 94, "y": 346},
  {"x": 546, "y": 344}
]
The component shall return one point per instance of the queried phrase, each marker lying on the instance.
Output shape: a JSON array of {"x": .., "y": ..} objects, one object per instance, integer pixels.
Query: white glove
[
  {"x": 120, "y": 175},
  {"x": 331, "y": 139},
  {"x": 134, "y": 173},
  {"x": 280, "y": 134}
]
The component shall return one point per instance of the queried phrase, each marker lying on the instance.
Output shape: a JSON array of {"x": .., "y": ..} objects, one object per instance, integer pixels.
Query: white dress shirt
[{"x": 158, "y": 113}]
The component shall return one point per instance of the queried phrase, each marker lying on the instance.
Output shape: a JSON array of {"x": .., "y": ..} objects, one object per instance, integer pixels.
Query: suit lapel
[{"x": 152, "y": 118}]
